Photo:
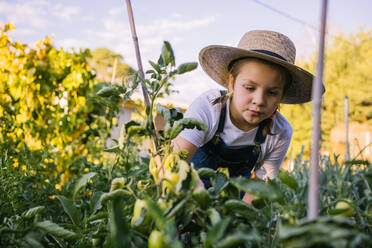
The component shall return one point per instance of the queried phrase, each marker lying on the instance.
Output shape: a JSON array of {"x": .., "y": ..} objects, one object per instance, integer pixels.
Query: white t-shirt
[{"x": 273, "y": 150}]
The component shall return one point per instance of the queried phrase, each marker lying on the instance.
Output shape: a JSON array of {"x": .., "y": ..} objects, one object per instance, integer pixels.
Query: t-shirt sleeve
[
  {"x": 274, "y": 158},
  {"x": 201, "y": 109}
]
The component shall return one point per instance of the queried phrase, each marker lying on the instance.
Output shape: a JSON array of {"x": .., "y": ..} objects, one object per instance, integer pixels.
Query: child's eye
[
  {"x": 249, "y": 88},
  {"x": 273, "y": 93}
]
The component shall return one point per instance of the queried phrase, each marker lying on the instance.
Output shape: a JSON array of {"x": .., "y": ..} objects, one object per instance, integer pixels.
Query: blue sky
[{"x": 187, "y": 25}]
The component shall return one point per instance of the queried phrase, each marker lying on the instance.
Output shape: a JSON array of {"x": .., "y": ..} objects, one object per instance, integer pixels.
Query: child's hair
[{"x": 234, "y": 69}]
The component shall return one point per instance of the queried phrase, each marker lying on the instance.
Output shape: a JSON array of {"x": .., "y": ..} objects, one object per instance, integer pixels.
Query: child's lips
[{"x": 254, "y": 112}]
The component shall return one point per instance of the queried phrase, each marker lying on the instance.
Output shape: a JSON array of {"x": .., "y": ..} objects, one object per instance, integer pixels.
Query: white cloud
[
  {"x": 32, "y": 13},
  {"x": 170, "y": 25},
  {"x": 65, "y": 12},
  {"x": 151, "y": 36},
  {"x": 113, "y": 31},
  {"x": 156, "y": 30}
]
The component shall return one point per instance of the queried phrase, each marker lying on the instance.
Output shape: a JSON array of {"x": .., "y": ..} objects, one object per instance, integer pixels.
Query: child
[{"x": 246, "y": 133}]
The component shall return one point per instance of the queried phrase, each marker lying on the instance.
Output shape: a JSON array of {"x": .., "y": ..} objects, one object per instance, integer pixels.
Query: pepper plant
[{"x": 134, "y": 202}]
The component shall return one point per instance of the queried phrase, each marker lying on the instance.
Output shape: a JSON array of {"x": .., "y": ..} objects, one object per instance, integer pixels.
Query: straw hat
[{"x": 267, "y": 45}]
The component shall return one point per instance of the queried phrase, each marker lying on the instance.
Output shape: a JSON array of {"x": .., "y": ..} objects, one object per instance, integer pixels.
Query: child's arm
[{"x": 181, "y": 144}]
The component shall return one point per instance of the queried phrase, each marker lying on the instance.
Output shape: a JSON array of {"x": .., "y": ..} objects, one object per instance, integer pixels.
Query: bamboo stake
[
  {"x": 153, "y": 142},
  {"x": 114, "y": 71},
  {"x": 138, "y": 54},
  {"x": 347, "y": 146},
  {"x": 317, "y": 102}
]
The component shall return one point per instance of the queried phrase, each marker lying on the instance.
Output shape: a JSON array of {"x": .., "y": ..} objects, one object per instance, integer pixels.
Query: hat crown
[{"x": 269, "y": 41}]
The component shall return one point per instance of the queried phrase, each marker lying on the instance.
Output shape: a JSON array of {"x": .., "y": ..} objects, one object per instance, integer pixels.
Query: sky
[{"x": 188, "y": 25}]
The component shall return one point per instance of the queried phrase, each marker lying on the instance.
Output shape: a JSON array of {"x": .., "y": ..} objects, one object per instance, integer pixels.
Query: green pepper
[
  {"x": 156, "y": 240},
  {"x": 141, "y": 220}
]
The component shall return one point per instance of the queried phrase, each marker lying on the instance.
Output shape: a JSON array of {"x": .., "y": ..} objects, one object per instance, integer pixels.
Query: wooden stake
[
  {"x": 347, "y": 146},
  {"x": 317, "y": 103},
  {"x": 114, "y": 71},
  {"x": 153, "y": 142},
  {"x": 138, "y": 54}
]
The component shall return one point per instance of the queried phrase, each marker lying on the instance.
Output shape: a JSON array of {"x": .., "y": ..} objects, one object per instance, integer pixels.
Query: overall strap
[
  {"x": 260, "y": 137},
  {"x": 221, "y": 122}
]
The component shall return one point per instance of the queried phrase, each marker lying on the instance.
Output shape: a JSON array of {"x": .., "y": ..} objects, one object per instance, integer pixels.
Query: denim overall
[{"x": 240, "y": 160}]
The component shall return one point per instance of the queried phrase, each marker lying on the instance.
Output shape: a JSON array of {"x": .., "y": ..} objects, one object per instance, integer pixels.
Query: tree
[
  {"x": 45, "y": 93},
  {"x": 102, "y": 61},
  {"x": 348, "y": 63}
]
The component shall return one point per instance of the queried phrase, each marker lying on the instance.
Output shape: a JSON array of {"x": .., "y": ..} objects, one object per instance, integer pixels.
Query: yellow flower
[
  {"x": 11, "y": 135},
  {"x": 15, "y": 163},
  {"x": 59, "y": 186}
]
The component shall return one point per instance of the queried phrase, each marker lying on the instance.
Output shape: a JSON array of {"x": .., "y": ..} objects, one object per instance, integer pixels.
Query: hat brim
[{"x": 215, "y": 59}]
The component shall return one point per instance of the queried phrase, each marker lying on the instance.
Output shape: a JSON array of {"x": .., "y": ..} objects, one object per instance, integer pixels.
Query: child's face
[{"x": 257, "y": 91}]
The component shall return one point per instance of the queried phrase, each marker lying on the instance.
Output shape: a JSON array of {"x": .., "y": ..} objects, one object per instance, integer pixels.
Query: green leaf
[
  {"x": 232, "y": 240},
  {"x": 201, "y": 196},
  {"x": 119, "y": 224},
  {"x": 155, "y": 66},
  {"x": 81, "y": 182},
  {"x": 167, "y": 54},
  {"x": 206, "y": 172},
  {"x": 216, "y": 232},
  {"x": 170, "y": 115},
  {"x": 160, "y": 61},
  {"x": 186, "y": 67},
  {"x": 213, "y": 215},
  {"x": 119, "y": 193},
  {"x": 237, "y": 238},
  {"x": 258, "y": 203},
  {"x": 95, "y": 201},
  {"x": 156, "y": 213},
  {"x": 118, "y": 183},
  {"x": 32, "y": 238},
  {"x": 220, "y": 182},
  {"x": 186, "y": 123},
  {"x": 165, "y": 112},
  {"x": 173, "y": 211},
  {"x": 112, "y": 149},
  {"x": 239, "y": 207},
  {"x": 287, "y": 179},
  {"x": 54, "y": 229},
  {"x": 256, "y": 187},
  {"x": 135, "y": 130},
  {"x": 70, "y": 209},
  {"x": 34, "y": 211},
  {"x": 99, "y": 100},
  {"x": 108, "y": 91}
]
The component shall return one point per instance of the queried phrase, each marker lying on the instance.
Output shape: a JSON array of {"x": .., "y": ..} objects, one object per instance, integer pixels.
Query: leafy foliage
[
  {"x": 45, "y": 93},
  {"x": 103, "y": 61},
  {"x": 127, "y": 203},
  {"x": 346, "y": 73}
]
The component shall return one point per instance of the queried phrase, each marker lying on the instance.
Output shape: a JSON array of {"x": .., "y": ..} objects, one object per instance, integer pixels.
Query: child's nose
[{"x": 259, "y": 98}]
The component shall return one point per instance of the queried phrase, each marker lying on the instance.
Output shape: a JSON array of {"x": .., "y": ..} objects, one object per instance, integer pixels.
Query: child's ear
[{"x": 230, "y": 85}]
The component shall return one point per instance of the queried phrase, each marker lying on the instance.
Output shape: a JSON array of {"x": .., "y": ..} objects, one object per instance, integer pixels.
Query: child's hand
[{"x": 248, "y": 198}]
